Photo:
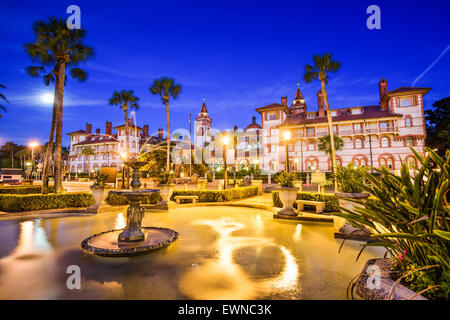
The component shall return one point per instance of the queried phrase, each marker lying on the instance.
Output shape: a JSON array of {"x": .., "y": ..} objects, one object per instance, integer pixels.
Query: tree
[
  {"x": 8, "y": 150},
  {"x": 323, "y": 65},
  {"x": 126, "y": 100},
  {"x": 324, "y": 144},
  {"x": 438, "y": 126},
  {"x": 88, "y": 152},
  {"x": 166, "y": 88},
  {"x": 56, "y": 48},
  {"x": 2, "y": 97}
]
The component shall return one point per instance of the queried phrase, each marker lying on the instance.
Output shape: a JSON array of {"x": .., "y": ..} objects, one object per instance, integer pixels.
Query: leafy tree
[
  {"x": 2, "y": 97},
  {"x": 156, "y": 162},
  {"x": 324, "y": 144},
  {"x": 438, "y": 126},
  {"x": 88, "y": 152},
  {"x": 55, "y": 49},
  {"x": 165, "y": 87},
  {"x": 323, "y": 65},
  {"x": 8, "y": 150}
]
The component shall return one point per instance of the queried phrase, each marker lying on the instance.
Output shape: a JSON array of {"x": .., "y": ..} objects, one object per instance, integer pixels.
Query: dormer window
[
  {"x": 405, "y": 102},
  {"x": 356, "y": 111},
  {"x": 310, "y": 115}
]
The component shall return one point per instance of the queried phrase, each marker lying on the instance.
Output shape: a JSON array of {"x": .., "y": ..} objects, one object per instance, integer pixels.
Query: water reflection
[
  {"x": 120, "y": 221},
  {"x": 298, "y": 232},
  {"x": 223, "y": 278}
]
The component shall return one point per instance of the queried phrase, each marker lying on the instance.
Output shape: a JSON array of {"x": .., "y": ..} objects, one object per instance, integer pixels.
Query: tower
[
  {"x": 203, "y": 127},
  {"x": 298, "y": 105}
]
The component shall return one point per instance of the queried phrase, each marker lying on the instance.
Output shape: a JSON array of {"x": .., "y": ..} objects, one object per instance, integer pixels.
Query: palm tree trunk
[
  {"x": 59, "y": 122},
  {"x": 12, "y": 159},
  {"x": 168, "y": 137},
  {"x": 89, "y": 166},
  {"x": 127, "y": 140},
  {"x": 330, "y": 127}
]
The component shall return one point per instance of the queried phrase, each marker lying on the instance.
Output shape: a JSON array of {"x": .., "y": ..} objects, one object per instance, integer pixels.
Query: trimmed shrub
[
  {"x": 22, "y": 202},
  {"x": 331, "y": 202},
  {"x": 20, "y": 189},
  {"x": 217, "y": 195},
  {"x": 120, "y": 200}
]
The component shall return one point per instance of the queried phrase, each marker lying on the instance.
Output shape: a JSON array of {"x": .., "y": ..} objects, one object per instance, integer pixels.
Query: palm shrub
[
  {"x": 409, "y": 215},
  {"x": 350, "y": 178},
  {"x": 286, "y": 179}
]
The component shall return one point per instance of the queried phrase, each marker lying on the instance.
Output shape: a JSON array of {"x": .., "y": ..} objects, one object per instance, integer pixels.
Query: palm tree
[
  {"x": 324, "y": 144},
  {"x": 88, "y": 152},
  {"x": 126, "y": 100},
  {"x": 166, "y": 88},
  {"x": 323, "y": 65},
  {"x": 55, "y": 49},
  {"x": 2, "y": 97}
]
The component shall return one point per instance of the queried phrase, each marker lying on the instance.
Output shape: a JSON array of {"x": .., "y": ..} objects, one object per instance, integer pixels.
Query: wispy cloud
[{"x": 430, "y": 66}]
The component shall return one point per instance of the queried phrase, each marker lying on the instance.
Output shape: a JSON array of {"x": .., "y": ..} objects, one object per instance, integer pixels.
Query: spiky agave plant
[{"x": 409, "y": 215}]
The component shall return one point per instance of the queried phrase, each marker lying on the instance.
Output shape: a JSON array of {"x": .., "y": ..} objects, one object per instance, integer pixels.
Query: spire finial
[
  {"x": 298, "y": 84},
  {"x": 203, "y": 99}
]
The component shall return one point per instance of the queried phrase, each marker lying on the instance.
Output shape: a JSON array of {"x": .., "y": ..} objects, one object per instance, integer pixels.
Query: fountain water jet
[{"x": 133, "y": 239}]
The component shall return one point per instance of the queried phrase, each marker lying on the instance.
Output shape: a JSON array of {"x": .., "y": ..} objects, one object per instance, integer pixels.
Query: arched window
[
  {"x": 311, "y": 145},
  {"x": 358, "y": 143},
  {"x": 411, "y": 161},
  {"x": 312, "y": 164},
  {"x": 408, "y": 121},
  {"x": 409, "y": 141},
  {"x": 385, "y": 142}
]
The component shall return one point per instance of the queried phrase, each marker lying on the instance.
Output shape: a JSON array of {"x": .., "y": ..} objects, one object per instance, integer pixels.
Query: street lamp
[
  {"x": 32, "y": 145},
  {"x": 225, "y": 142},
  {"x": 123, "y": 155},
  {"x": 287, "y": 137}
]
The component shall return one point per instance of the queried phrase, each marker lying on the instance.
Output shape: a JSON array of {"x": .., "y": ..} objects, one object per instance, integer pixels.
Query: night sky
[{"x": 239, "y": 55}]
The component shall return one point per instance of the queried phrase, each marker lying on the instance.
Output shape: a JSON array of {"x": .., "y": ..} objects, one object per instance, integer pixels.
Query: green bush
[
  {"x": 350, "y": 179},
  {"x": 217, "y": 195},
  {"x": 20, "y": 189},
  {"x": 410, "y": 216},
  {"x": 331, "y": 202},
  {"x": 22, "y": 202},
  {"x": 120, "y": 200}
]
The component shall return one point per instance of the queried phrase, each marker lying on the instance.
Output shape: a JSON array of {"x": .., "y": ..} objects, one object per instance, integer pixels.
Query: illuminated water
[{"x": 222, "y": 253}]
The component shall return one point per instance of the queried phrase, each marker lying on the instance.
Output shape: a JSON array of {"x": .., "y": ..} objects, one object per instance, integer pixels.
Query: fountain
[{"x": 133, "y": 239}]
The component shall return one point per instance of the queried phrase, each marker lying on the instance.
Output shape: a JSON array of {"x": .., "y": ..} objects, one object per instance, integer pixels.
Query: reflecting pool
[{"x": 222, "y": 253}]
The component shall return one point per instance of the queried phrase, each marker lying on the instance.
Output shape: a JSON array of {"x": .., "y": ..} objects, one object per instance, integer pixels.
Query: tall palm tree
[
  {"x": 88, "y": 152},
  {"x": 55, "y": 49},
  {"x": 2, "y": 97},
  {"x": 323, "y": 65},
  {"x": 126, "y": 100},
  {"x": 166, "y": 88},
  {"x": 324, "y": 144}
]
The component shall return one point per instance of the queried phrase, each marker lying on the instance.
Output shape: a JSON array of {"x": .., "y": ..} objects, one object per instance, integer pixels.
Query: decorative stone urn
[
  {"x": 287, "y": 195},
  {"x": 165, "y": 191},
  {"x": 202, "y": 183},
  {"x": 97, "y": 192}
]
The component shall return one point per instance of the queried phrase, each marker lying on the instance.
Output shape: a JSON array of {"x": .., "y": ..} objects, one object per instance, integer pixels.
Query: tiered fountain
[{"x": 133, "y": 239}]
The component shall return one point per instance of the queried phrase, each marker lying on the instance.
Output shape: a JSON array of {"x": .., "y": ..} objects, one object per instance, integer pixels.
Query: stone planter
[
  {"x": 258, "y": 183},
  {"x": 97, "y": 192},
  {"x": 376, "y": 283},
  {"x": 202, "y": 184},
  {"x": 166, "y": 192},
  {"x": 298, "y": 184},
  {"x": 287, "y": 195}
]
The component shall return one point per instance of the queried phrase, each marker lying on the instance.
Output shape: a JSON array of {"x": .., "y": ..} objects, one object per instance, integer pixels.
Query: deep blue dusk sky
[{"x": 240, "y": 55}]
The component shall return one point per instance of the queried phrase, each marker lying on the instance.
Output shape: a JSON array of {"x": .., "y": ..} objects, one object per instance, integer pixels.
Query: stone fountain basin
[{"x": 106, "y": 243}]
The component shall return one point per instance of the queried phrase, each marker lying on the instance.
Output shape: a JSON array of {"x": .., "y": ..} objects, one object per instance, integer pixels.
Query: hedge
[
  {"x": 331, "y": 202},
  {"x": 217, "y": 195},
  {"x": 20, "y": 189},
  {"x": 119, "y": 200},
  {"x": 22, "y": 202}
]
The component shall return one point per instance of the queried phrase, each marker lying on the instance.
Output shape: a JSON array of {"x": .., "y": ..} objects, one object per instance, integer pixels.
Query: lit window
[
  {"x": 310, "y": 132},
  {"x": 408, "y": 122},
  {"x": 405, "y": 102},
  {"x": 311, "y": 146},
  {"x": 411, "y": 162},
  {"x": 356, "y": 111},
  {"x": 409, "y": 141},
  {"x": 358, "y": 144},
  {"x": 333, "y": 113},
  {"x": 390, "y": 164},
  {"x": 385, "y": 142},
  {"x": 383, "y": 124},
  {"x": 310, "y": 115}
]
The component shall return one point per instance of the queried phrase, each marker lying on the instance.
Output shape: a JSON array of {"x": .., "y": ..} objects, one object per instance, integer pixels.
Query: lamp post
[
  {"x": 225, "y": 142},
  {"x": 32, "y": 145},
  {"x": 287, "y": 137}
]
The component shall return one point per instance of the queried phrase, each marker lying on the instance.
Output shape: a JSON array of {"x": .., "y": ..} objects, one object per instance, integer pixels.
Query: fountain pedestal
[{"x": 133, "y": 239}]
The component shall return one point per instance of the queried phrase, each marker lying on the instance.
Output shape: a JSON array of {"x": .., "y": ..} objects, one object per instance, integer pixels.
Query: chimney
[
  {"x": 108, "y": 127},
  {"x": 130, "y": 122},
  {"x": 97, "y": 132},
  {"x": 284, "y": 101},
  {"x": 382, "y": 87},
  {"x": 160, "y": 133},
  {"x": 88, "y": 128},
  {"x": 321, "y": 103},
  {"x": 145, "y": 131}
]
